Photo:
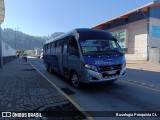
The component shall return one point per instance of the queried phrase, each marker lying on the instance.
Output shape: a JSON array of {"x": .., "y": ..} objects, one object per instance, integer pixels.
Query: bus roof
[{"x": 80, "y": 31}]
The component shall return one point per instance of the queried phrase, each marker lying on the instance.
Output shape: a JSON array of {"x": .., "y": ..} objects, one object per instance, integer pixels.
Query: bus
[{"x": 85, "y": 55}]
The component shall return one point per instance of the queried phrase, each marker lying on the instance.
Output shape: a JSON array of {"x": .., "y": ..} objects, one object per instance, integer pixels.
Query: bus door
[
  {"x": 65, "y": 58},
  {"x": 74, "y": 62}
]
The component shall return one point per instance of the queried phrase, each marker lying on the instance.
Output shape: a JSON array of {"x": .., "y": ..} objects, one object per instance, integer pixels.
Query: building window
[
  {"x": 109, "y": 25},
  {"x": 126, "y": 20},
  {"x": 156, "y": 31},
  {"x": 120, "y": 36}
]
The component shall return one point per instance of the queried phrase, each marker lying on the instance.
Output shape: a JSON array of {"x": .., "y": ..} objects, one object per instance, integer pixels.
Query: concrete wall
[
  {"x": 7, "y": 59},
  {"x": 154, "y": 52},
  {"x": 8, "y": 54},
  {"x": 7, "y": 50},
  {"x": 154, "y": 41},
  {"x": 136, "y": 39},
  {"x": 154, "y": 55}
]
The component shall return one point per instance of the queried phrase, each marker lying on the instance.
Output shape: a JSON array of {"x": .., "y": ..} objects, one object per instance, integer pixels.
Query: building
[
  {"x": 2, "y": 10},
  {"x": 1, "y": 20},
  {"x": 138, "y": 32},
  {"x": 6, "y": 52}
]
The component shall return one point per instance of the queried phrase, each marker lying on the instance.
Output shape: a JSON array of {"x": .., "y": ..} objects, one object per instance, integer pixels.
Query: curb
[
  {"x": 144, "y": 85},
  {"x": 68, "y": 97},
  {"x": 152, "y": 70}
]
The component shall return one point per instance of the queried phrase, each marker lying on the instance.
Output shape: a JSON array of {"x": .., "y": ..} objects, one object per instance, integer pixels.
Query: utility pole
[
  {"x": 1, "y": 59},
  {"x": 16, "y": 38}
]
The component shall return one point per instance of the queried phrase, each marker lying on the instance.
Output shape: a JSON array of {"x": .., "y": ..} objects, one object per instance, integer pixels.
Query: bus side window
[
  {"x": 53, "y": 48},
  {"x": 44, "y": 49},
  {"x": 59, "y": 46},
  {"x": 65, "y": 46},
  {"x": 73, "y": 47},
  {"x": 48, "y": 49}
]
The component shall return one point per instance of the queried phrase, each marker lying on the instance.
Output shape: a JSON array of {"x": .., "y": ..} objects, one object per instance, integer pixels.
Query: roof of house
[{"x": 142, "y": 8}]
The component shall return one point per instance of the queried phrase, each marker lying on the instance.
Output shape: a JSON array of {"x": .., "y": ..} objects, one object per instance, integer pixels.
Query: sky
[{"x": 44, "y": 17}]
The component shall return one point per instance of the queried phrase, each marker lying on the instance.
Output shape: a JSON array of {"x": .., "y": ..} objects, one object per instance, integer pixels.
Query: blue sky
[{"x": 44, "y": 17}]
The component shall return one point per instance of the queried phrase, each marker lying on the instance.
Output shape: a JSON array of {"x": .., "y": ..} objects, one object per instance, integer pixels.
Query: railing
[{"x": 7, "y": 59}]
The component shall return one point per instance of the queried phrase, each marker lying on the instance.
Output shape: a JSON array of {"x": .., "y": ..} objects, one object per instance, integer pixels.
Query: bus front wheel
[{"x": 75, "y": 80}]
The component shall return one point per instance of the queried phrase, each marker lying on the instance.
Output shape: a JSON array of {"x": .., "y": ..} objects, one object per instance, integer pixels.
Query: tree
[{"x": 24, "y": 41}]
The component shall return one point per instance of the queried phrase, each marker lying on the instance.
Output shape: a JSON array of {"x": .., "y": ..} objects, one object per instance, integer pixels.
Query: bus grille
[
  {"x": 110, "y": 67},
  {"x": 105, "y": 75}
]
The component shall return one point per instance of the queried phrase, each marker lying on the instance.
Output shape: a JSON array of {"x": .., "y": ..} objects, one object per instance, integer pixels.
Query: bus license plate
[{"x": 112, "y": 72}]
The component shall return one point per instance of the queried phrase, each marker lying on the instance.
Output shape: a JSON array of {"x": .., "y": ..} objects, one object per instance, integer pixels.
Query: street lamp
[
  {"x": 16, "y": 38},
  {"x": 1, "y": 59}
]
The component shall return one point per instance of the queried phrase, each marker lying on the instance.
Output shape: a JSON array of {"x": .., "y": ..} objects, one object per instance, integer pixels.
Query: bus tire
[
  {"x": 75, "y": 80},
  {"x": 49, "y": 69}
]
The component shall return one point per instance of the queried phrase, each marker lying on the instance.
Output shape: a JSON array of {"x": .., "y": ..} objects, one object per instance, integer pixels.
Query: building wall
[
  {"x": 7, "y": 50},
  {"x": 123, "y": 21},
  {"x": 135, "y": 26},
  {"x": 154, "y": 12},
  {"x": 154, "y": 40},
  {"x": 136, "y": 39}
]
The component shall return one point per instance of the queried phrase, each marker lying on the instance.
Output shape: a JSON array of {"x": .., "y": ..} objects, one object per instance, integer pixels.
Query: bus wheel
[
  {"x": 75, "y": 80},
  {"x": 49, "y": 69}
]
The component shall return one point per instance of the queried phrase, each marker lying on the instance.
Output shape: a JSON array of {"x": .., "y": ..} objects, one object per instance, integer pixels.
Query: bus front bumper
[{"x": 94, "y": 77}]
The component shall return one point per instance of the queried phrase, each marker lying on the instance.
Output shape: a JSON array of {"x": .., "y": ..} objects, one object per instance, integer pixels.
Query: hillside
[{"x": 20, "y": 40}]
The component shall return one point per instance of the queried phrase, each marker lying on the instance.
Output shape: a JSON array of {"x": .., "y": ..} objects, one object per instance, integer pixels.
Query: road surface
[{"x": 138, "y": 91}]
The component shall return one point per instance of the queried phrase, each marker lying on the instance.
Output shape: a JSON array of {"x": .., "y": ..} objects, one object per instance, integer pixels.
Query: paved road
[
  {"x": 120, "y": 96},
  {"x": 149, "y": 78}
]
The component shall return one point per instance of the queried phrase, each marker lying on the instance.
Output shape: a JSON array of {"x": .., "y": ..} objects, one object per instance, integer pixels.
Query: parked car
[{"x": 24, "y": 56}]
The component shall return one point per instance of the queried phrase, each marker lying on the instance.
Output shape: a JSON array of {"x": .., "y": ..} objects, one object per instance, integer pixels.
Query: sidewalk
[
  {"x": 143, "y": 65},
  {"x": 22, "y": 88}
]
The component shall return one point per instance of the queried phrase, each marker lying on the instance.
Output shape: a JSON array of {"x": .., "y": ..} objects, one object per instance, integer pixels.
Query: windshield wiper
[
  {"x": 96, "y": 53},
  {"x": 115, "y": 51}
]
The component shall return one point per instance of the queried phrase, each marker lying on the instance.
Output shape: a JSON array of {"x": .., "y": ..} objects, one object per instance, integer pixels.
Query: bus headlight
[
  {"x": 91, "y": 67},
  {"x": 123, "y": 65}
]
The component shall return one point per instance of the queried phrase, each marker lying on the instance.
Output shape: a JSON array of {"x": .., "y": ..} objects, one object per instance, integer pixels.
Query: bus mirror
[{"x": 115, "y": 39}]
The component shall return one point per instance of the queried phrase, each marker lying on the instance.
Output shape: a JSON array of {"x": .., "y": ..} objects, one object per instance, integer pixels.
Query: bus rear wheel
[
  {"x": 75, "y": 80},
  {"x": 49, "y": 69}
]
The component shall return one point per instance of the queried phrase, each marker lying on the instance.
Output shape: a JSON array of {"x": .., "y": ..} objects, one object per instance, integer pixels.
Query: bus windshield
[{"x": 90, "y": 47}]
